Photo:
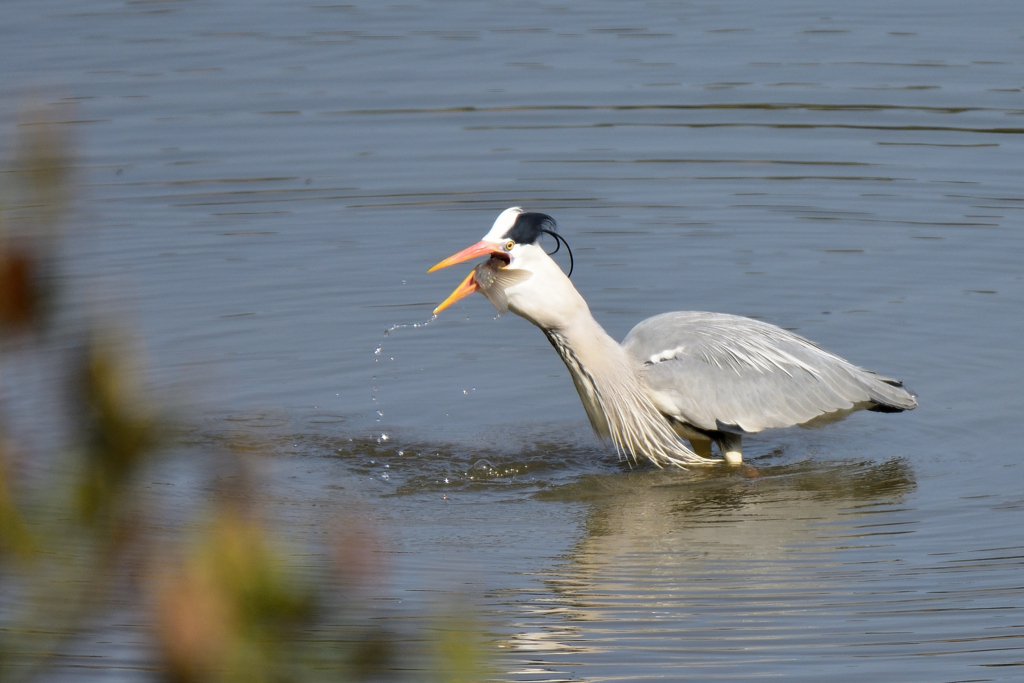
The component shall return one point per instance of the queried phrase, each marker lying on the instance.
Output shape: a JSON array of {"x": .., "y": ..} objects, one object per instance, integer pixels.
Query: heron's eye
[{"x": 509, "y": 245}]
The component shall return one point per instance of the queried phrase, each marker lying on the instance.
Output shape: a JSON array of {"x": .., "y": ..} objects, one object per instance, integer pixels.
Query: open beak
[
  {"x": 468, "y": 285},
  {"x": 481, "y": 248}
]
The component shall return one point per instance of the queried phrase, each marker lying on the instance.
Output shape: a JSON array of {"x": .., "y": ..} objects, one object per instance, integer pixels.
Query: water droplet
[{"x": 377, "y": 352}]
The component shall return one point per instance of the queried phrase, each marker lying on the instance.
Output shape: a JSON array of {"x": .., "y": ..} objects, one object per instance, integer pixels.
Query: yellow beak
[{"x": 468, "y": 285}]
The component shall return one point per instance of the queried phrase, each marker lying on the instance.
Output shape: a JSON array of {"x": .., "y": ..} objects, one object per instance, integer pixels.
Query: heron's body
[
  {"x": 726, "y": 375},
  {"x": 705, "y": 377}
]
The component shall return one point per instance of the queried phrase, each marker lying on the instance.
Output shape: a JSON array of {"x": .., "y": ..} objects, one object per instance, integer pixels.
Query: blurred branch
[
  {"x": 15, "y": 539},
  {"x": 119, "y": 429},
  {"x": 37, "y": 196}
]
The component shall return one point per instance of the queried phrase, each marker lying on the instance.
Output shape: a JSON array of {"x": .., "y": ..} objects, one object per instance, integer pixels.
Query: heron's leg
[
  {"x": 730, "y": 446},
  {"x": 701, "y": 447}
]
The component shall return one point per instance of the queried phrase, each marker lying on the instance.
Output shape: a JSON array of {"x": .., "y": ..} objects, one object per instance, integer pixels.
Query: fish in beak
[
  {"x": 469, "y": 285},
  {"x": 487, "y": 277}
]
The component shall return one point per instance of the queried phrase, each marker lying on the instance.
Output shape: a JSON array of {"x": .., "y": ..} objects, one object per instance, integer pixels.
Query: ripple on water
[{"x": 430, "y": 468}]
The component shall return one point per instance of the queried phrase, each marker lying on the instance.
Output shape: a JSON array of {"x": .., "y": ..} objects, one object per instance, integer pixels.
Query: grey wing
[{"x": 724, "y": 372}]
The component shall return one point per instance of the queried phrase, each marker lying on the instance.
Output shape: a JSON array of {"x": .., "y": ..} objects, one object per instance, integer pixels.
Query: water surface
[{"x": 263, "y": 186}]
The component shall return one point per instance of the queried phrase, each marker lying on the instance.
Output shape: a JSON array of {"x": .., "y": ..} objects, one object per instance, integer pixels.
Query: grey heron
[{"x": 703, "y": 377}]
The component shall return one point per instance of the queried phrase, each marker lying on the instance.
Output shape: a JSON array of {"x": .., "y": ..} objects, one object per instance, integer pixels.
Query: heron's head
[{"x": 519, "y": 275}]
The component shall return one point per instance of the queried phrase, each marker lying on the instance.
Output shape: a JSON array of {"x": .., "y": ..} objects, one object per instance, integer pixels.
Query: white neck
[{"x": 607, "y": 378}]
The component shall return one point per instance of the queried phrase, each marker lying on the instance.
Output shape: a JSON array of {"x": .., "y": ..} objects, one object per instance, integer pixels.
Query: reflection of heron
[
  {"x": 787, "y": 505},
  {"x": 720, "y": 566},
  {"x": 703, "y": 376}
]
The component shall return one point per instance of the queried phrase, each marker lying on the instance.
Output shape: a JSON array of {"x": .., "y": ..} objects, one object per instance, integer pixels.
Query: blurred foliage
[
  {"x": 117, "y": 427},
  {"x": 78, "y": 532},
  {"x": 225, "y": 608},
  {"x": 34, "y": 199}
]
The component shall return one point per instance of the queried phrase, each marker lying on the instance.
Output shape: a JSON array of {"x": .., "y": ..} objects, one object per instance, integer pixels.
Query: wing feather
[{"x": 725, "y": 372}]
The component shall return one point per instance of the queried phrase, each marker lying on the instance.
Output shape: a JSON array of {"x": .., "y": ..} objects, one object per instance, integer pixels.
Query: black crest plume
[{"x": 528, "y": 228}]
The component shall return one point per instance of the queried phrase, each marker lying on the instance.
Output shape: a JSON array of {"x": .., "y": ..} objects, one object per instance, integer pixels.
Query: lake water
[{"x": 263, "y": 186}]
